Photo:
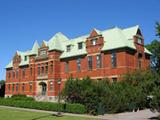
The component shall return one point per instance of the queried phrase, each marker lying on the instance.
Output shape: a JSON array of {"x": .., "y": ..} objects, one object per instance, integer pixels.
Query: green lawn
[{"x": 11, "y": 114}]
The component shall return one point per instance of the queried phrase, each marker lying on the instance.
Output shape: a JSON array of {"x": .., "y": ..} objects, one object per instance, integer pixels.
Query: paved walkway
[{"x": 140, "y": 115}]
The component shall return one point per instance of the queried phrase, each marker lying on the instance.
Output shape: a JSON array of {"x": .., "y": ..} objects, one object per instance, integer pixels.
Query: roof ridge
[{"x": 135, "y": 26}]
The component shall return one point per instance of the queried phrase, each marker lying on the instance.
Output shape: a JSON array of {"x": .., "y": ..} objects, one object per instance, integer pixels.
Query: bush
[
  {"x": 21, "y": 97},
  {"x": 102, "y": 96},
  {"x": 75, "y": 108},
  {"x": 72, "y": 108}
]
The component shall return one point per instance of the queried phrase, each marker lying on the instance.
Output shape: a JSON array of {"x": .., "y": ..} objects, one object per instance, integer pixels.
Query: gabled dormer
[
  {"x": 43, "y": 51},
  {"x": 138, "y": 38},
  {"x": 94, "y": 42},
  {"x": 16, "y": 59},
  {"x": 139, "y": 41}
]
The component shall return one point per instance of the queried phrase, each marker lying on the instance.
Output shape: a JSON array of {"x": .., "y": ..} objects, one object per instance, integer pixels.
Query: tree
[
  {"x": 158, "y": 29},
  {"x": 154, "y": 47},
  {"x": 2, "y": 88}
]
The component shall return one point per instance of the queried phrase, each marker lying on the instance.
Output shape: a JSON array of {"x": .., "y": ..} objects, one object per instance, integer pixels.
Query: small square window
[
  {"x": 139, "y": 41},
  {"x": 80, "y": 45},
  {"x": 43, "y": 52},
  {"x": 94, "y": 41},
  {"x": 25, "y": 58},
  {"x": 68, "y": 48}
]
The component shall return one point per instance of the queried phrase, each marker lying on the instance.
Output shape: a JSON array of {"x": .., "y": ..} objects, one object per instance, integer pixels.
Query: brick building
[{"x": 100, "y": 54}]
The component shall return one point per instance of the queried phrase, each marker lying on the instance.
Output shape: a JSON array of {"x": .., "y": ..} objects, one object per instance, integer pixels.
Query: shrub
[
  {"x": 72, "y": 108},
  {"x": 75, "y": 108},
  {"x": 21, "y": 97},
  {"x": 102, "y": 96}
]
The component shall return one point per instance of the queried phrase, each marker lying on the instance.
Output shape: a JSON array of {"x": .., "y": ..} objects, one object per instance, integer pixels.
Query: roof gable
[
  {"x": 57, "y": 41},
  {"x": 94, "y": 33}
]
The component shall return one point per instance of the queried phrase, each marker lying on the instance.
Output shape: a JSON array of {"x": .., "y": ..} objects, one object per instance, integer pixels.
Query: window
[
  {"x": 25, "y": 58},
  {"x": 23, "y": 73},
  {"x": 42, "y": 69},
  {"x": 80, "y": 45},
  {"x": 114, "y": 80},
  {"x": 68, "y": 48},
  {"x": 89, "y": 62},
  {"x": 114, "y": 60},
  {"x": 23, "y": 87},
  {"x": 9, "y": 75},
  {"x": 39, "y": 70},
  {"x": 79, "y": 64},
  {"x": 46, "y": 68},
  {"x": 51, "y": 86},
  {"x": 30, "y": 87},
  {"x": 67, "y": 67},
  {"x": 16, "y": 73},
  {"x": 139, "y": 60},
  {"x": 139, "y": 41},
  {"x": 12, "y": 87},
  {"x": 51, "y": 67},
  {"x": 17, "y": 87},
  {"x": 30, "y": 71},
  {"x": 13, "y": 74},
  {"x": 94, "y": 41},
  {"x": 9, "y": 87},
  {"x": 99, "y": 63},
  {"x": 43, "y": 52}
]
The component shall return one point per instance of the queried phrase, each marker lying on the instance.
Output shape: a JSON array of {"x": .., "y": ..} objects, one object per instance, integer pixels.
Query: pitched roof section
[
  {"x": 35, "y": 48},
  {"x": 56, "y": 42},
  {"x": 74, "y": 47},
  {"x": 113, "y": 38},
  {"x": 130, "y": 32}
]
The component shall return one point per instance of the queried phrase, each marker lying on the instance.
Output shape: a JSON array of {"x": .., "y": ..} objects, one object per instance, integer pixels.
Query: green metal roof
[
  {"x": 113, "y": 38},
  {"x": 57, "y": 41}
]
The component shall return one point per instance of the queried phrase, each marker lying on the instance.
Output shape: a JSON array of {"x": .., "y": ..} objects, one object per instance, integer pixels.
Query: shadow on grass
[{"x": 45, "y": 116}]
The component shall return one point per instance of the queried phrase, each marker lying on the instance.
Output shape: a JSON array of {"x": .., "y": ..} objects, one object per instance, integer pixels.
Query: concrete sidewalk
[{"x": 140, "y": 115}]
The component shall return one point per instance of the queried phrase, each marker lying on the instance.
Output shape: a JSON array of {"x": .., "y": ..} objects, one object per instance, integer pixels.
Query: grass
[{"x": 12, "y": 114}]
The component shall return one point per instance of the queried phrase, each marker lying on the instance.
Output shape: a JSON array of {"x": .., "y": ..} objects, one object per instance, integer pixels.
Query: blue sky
[{"x": 24, "y": 21}]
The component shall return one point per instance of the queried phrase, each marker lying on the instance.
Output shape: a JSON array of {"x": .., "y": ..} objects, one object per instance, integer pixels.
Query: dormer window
[
  {"x": 80, "y": 45},
  {"x": 43, "y": 52},
  {"x": 94, "y": 41},
  {"x": 25, "y": 58},
  {"x": 139, "y": 41},
  {"x": 68, "y": 48}
]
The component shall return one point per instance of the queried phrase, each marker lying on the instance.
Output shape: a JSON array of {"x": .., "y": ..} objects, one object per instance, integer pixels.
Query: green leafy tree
[
  {"x": 2, "y": 88},
  {"x": 101, "y": 96},
  {"x": 154, "y": 47},
  {"x": 158, "y": 29}
]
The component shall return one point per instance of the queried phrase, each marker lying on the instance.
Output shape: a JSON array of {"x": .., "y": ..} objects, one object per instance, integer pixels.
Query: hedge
[
  {"x": 75, "y": 108},
  {"x": 21, "y": 97},
  {"x": 70, "y": 108}
]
